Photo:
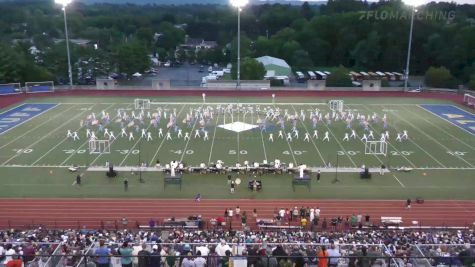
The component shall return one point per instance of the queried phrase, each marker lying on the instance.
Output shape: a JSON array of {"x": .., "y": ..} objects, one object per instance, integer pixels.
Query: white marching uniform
[
  {"x": 353, "y": 134},
  {"x": 160, "y": 133},
  {"x": 75, "y": 136},
  {"x": 346, "y": 138},
  {"x": 371, "y": 135},
  {"x": 69, "y": 134},
  {"x": 289, "y": 137},
  {"x": 206, "y": 136},
  {"x": 88, "y": 133},
  {"x": 187, "y": 136},
  {"x": 399, "y": 137},
  {"x": 131, "y": 136},
  {"x": 180, "y": 134},
  {"x": 307, "y": 137},
  {"x": 149, "y": 136},
  {"x": 111, "y": 135},
  {"x": 123, "y": 133},
  {"x": 144, "y": 133},
  {"x": 404, "y": 134},
  {"x": 281, "y": 135},
  {"x": 169, "y": 136},
  {"x": 315, "y": 134},
  {"x": 326, "y": 137},
  {"x": 271, "y": 137},
  {"x": 364, "y": 138},
  {"x": 197, "y": 133}
]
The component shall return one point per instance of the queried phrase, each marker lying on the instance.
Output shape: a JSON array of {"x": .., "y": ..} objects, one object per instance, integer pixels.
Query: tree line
[{"x": 358, "y": 35}]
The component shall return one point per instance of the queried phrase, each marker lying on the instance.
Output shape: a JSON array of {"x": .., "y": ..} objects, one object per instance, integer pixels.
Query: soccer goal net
[
  {"x": 39, "y": 87},
  {"x": 10, "y": 88},
  {"x": 336, "y": 105},
  {"x": 142, "y": 103},
  {"x": 99, "y": 147},
  {"x": 469, "y": 100},
  {"x": 376, "y": 148}
]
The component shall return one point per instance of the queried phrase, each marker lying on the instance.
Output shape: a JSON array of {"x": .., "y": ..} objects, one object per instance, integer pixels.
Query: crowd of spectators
[{"x": 192, "y": 248}]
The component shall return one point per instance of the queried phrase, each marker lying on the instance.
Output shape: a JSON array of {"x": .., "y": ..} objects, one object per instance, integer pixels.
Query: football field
[{"x": 440, "y": 145}]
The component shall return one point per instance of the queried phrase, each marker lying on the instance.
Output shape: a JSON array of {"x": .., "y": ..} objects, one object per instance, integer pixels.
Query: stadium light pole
[
  {"x": 239, "y": 4},
  {"x": 65, "y": 3},
  {"x": 413, "y": 4}
]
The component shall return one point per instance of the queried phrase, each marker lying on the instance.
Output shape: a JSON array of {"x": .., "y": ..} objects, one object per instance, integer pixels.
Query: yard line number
[
  {"x": 456, "y": 153},
  {"x": 72, "y": 151},
  {"x": 23, "y": 150},
  {"x": 348, "y": 152},
  {"x": 296, "y": 152},
  {"x": 234, "y": 152},
  {"x": 179, "y": 152},
  {"x": 401, "y": 153}
]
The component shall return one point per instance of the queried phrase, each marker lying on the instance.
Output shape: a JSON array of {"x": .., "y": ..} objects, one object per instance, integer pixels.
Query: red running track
[{"x": 74, "y": 213}]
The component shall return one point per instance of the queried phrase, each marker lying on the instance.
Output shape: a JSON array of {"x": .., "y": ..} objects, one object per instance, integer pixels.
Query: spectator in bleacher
[
  {"x": 171, "y": 258},
  {"x": 466, "y": 256},
  {"x": 155, "y": 257},
  {"x": 188, "y": 261},
  {"x": 334, "y": 254},
  {"x": 254, "y": 213},
  {"x": 144, "y": 257},
  {"x": 199, "y": 260},
  {"x": 295, "y": 213},
  {"x": 151, "y": 223},
  {"x": 29, "y": 253},
  {"x": 302, "y": 212},
  {"x": 244, "y": 219},
  {"x": 303, "y": 222},
  {"x": 238, "y": 211},
  {"x": 322, "y": 256},
  {"x": 226, "y": 258},
  {"x": 213, "y": 258},
  {"x": 298, "y": 259},
  {"x": 126, "y": 255},
  {"x": 222, "y": 247},
  {"x": 15, "y": 262},
  {"x": 2, "y": 255},
  {"x": 266, "y": 259},
  {"x": 102, "y": 255},
  {"x": 9, "y": 251},
  {"x": 202, "y": 249},
  {"x": 362, "y": 259}
]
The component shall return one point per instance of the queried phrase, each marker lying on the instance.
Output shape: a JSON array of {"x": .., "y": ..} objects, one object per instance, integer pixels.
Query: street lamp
[
  {"x": 65, "y": 3},
  {"x": 239, "y": 4},
  {"x": 413, "y": 4}
]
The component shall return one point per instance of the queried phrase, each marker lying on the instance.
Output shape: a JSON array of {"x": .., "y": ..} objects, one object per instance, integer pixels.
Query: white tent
[{"x": 137, "y": 75}]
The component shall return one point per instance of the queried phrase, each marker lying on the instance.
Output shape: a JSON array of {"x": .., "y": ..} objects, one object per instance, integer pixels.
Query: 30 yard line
[
  {"x": 45, "y": 136},
  {"x": 62, "y": 141},
  {"x": 188, "y": 141},
  {"x": 36, "y": 127},
  {"x": 85, "y": 143}
]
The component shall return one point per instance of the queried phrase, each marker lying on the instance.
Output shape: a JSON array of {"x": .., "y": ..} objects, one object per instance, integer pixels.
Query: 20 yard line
[{"x": 62, "y": 141}]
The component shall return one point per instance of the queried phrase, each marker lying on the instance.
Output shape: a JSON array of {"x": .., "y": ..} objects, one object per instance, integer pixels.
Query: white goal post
[
  {"x": 336, "y": 105},
  {"x": 469, "y": 100},
  {"x": 376, "y": 148},
  {"x": 99, "y": 147},
  {"x": 142, "y": 103},
  {"x": 39, "y": 87}
]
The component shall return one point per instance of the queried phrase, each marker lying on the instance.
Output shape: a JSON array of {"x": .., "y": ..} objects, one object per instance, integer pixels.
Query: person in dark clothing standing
[
  {"x": 78, "y": 179},
  {"x": 408, "y": 203},
  {"x": 155, "y": 257},
  {"x": 126, "y": 184},
  {"x": 318, "y": 176},
  {"x": 144, "y": 257}
]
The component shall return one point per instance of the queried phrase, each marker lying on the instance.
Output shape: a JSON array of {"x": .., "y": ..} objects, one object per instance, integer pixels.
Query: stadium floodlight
[
  {"x": 65, "y": 3},
  {"x": 239, "y": 4}
]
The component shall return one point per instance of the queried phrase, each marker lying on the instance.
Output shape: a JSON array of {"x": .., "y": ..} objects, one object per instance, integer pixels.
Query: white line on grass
[
  {"x": 409, "y": 161},
  {"x": 163, "y": 139},
  {"x": 313, "y": 142},
  {"x": 85, "y": 143},
  {"x": 238, "y": 152},
  {"x": 36, "y": 127},
  {"x": 44, "y": 136},
  {"x": 62, "y": 141},
  {"x": 403, "y": 186},
  {"x": 440, "y": 128},
  {"x": 263, "y": 145},
  {"x": 288, "y": 143},
  {"x": 214, "y": 135},
  {"x": 338, "y": 142},
  {"x": 188, "y": 141},
  {"x": 435, "y": 140},
  {"x": 423, "y": 150}
]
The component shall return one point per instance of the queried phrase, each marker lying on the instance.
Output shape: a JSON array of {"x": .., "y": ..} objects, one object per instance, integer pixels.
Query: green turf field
[{"x": 34, "y": 156}]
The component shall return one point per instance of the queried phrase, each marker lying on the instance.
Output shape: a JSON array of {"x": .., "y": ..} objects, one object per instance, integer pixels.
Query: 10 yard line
[
  {"x": 403, "y": 186},
  {"x": 44, "y": 136}
]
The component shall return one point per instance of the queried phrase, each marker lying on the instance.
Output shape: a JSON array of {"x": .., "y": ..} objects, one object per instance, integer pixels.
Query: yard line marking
[
  {"x": 36, "y": 127},
  {"x": 341, "y": 146},
  {"x": 62, "y": 141},
  {"x": 403, "y": 186},
  {"x": 435, "y": 140},
  {"x": 409, "y": 161},
  {"x": 44, "y": 136},
  {"x": 85, "y": 143},
  {"x": 163, "y": 138},
  {"x": 440, "y": 128},
  {"x": 214, "y": 135},
  {"x": 238, "y": 148},
  {"x": 313, "y": 142},
  {"x": 263, "y": 145},
  {"x": 192, "y": 128},
  {"x": 421, "y": 148},
  {"x": 288, "y": 143}
]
